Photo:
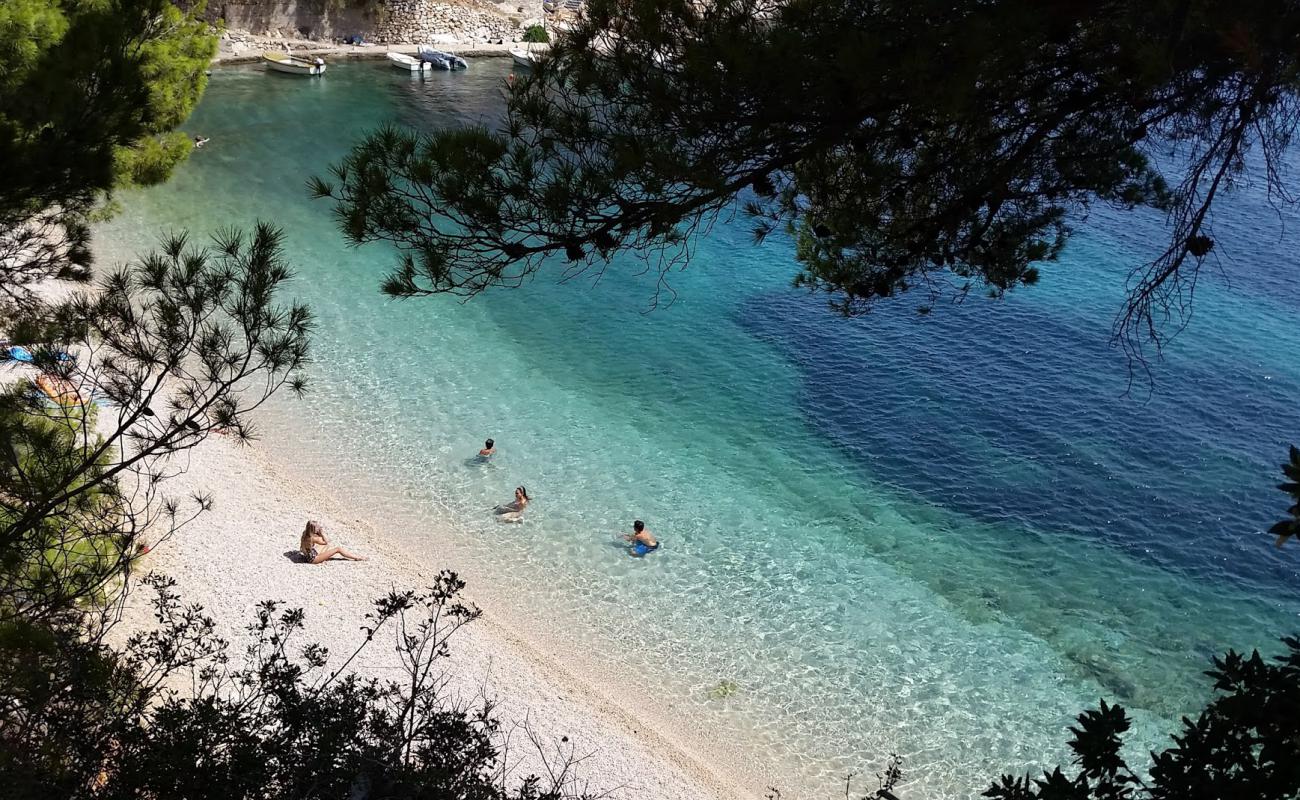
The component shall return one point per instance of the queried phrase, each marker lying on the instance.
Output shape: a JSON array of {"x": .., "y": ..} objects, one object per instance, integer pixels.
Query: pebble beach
[{"x": 239, "y": 554}]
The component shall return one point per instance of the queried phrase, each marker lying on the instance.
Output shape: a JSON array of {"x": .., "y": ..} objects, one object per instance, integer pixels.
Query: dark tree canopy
[
  {"x": 90, "y": 92},
  {"x": 177, "y": 713},
  {"x": 942, "y": 145},
  {"x": 1290, "y": 526}
]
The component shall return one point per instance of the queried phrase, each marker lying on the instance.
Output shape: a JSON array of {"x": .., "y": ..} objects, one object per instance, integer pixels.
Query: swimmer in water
[
  {"x": 199, "y": 141},
  {"x": 489, "y": 449},
  {"x": 514, "y": 511},
  {"x": 641, "y": 539}
]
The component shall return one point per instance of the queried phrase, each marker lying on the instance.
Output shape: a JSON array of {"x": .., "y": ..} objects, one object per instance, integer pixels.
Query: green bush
[{"x": 536, "y": 33}]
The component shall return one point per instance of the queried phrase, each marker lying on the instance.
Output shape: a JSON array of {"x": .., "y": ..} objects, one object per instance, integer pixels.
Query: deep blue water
[{"x": 1021, "y": 411}]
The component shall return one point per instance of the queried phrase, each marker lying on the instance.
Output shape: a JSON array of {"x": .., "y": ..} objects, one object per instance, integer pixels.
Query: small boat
[
  {"x": 440, "y": 59},
  {"x": 408, "y": 63},
  {"x": 525, "y": 58},
  {"x": 283, "y": 62}
]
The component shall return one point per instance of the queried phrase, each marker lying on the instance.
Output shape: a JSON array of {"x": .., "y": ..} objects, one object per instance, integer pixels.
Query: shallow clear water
[{"x": 941, "y": 536}]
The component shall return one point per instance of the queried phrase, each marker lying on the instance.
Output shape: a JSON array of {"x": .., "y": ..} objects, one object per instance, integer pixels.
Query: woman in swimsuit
[
  {"x": 513, "y": 512},
  {"x": 314, "y": 535}
]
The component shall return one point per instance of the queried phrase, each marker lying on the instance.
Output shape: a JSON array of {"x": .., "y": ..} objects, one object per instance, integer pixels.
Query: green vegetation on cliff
[{"x": 91, "y": 92}]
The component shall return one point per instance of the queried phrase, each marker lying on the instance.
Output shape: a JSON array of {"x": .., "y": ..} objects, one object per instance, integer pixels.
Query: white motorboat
[
  {"x": 408, "y": 63},
  {"x": 525, "y": 58},
  {"x": 283, "y": 62}
]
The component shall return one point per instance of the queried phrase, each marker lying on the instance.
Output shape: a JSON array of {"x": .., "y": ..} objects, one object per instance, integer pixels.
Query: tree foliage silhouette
[
  {"x": 168, "y": 350},
  {"x": 923, "y": 144},
  {"x": 90, "y": 95},
  {"x": 82, "y": 720}
]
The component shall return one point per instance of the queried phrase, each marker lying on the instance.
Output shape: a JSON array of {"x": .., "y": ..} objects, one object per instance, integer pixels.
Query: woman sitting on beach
[
  {"x": 513, "y": 512},
  {"x": 314, "y": 535}
]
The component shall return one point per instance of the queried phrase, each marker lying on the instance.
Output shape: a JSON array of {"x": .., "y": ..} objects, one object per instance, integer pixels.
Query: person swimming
[
  {"x": 641, "y": 539},
  {"x": 489, "y": 449},
  {"x": 513, "y": 511},
  {"x": 199, "y": 141}
]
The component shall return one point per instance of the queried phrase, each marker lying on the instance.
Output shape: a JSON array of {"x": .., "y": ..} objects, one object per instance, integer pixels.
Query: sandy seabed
[{"x": 238, "y": 554}]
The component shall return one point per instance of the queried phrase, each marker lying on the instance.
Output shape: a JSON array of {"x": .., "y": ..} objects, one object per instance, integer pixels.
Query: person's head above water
[
  {"x": 638, "y": 526},
  {"x": 521, "y": 492},
  {"x": 489, "y": 444}
]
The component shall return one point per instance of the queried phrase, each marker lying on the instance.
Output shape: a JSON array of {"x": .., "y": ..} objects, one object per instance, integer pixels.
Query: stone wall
[
  {"x": 308, "y": 19},
  {"x": 422, "y": 20},
  {"x": 389, "y": 21}
]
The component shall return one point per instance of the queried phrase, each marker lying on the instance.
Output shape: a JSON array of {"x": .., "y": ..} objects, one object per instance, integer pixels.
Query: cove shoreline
[
  {"x": 237, "y": 555},
  {"x": 375, "y": 52},
  {"x": 240, "y": 558}
]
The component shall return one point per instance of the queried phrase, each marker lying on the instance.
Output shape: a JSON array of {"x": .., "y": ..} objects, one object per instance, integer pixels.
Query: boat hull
[
  {"x": 407, "y": 63},
  {"x": 438, "y": 59},
  {"x": 523, "y": 58},
  {"x": 290, "y": 65}
]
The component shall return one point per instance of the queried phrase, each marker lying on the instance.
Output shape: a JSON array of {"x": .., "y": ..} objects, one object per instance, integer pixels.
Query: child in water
[{"x": 642, "y": 540}]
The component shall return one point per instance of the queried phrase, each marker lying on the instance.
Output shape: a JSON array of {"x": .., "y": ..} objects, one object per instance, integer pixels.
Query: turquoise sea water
[{"x": 940, "y": 536}]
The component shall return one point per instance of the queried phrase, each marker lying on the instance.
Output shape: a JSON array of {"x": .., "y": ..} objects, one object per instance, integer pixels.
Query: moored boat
[
  {"x": 283, "y": 62},
  {"x": 525, "y": 58},
  {"x": 440, "y": 59},
  {"x": 408, "y": 63}
]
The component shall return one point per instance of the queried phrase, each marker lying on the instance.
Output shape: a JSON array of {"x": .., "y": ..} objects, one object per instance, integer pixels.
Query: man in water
[
  {"x": 489, "y": 449},
  {"x": 643, "y": 541}
]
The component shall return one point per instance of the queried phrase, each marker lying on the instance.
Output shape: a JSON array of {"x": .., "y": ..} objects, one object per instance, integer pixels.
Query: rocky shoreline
[
  {"x": 253, "y": 47},
  {"x": 421, "y": 20},
  {"x": 466, "y": 27},
  {"x": 471, "y": 27}
]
